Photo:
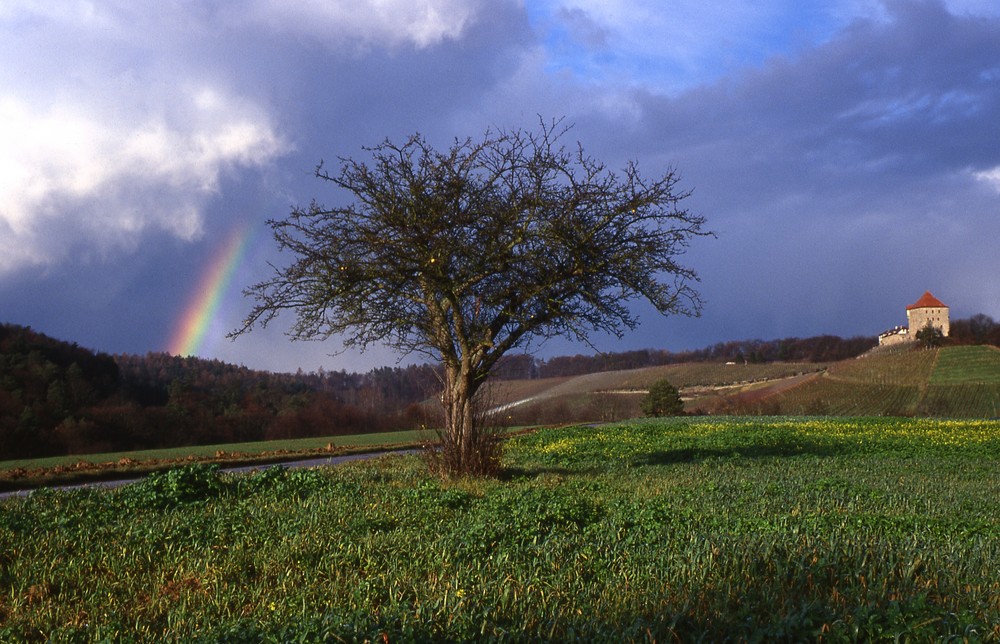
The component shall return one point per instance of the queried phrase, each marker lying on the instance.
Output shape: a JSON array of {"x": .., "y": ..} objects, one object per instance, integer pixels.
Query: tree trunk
[
  {"x": 468, "y": 447},
  {"x": 459, "y": 425}
]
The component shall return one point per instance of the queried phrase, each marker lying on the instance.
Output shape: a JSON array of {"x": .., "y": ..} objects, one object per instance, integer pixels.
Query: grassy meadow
[{"x": 771, "y": 528}]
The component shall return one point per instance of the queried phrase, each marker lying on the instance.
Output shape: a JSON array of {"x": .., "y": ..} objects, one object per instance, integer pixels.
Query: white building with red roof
[{"x": 928, "y": 310}]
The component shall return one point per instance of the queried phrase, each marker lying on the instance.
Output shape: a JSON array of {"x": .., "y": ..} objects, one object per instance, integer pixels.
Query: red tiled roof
[{"x": 927, "y": 301}]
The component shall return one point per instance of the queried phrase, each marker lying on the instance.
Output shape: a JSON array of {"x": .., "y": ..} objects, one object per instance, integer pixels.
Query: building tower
[{"x": 927, "y": 310}]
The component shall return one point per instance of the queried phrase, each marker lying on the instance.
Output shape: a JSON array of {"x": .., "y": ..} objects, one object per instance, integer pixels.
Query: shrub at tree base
[{"x": 478, "y": 455}]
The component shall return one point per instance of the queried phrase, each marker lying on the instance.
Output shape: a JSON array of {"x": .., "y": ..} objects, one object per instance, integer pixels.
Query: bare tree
[{"x": 465, "y": 254}]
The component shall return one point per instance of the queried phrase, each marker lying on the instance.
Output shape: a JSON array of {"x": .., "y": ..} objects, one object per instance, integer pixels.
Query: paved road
[{"x": 310, "y": 462}]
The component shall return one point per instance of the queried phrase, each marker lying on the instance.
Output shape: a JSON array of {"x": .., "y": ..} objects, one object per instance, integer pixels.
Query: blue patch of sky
[{"x": 699, "y": 46}]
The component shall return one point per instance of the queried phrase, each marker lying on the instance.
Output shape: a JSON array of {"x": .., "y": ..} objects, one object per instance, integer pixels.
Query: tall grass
[{"x": 755, "y": 529}]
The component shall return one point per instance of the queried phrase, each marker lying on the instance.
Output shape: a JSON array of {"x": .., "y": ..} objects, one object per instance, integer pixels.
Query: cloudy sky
[{"x": 847, "y": 153}]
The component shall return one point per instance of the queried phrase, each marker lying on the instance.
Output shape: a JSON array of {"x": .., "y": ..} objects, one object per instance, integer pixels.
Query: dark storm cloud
[
  {"x": 900, "y": 101},
  {"x": 846, "y": 180}
]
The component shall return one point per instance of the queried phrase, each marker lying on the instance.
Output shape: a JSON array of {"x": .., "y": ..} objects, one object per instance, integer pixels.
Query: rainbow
[{"x": 189, "y": 334}]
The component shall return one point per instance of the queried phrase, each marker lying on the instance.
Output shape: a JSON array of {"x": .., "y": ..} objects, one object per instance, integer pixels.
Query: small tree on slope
[
  {"x": 663, "y": 399},
  {"x": 467, "y": 253}
]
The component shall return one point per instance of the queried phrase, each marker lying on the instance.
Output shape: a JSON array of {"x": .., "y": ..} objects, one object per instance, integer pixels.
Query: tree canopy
[{"x": 467, "y": 253}]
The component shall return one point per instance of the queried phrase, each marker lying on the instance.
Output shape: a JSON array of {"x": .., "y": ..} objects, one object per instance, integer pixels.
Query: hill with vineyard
[
  {"x": 954, "y": 381},
  {"x": 962, "y": 381},
  {"x": 959, "y": 381}
]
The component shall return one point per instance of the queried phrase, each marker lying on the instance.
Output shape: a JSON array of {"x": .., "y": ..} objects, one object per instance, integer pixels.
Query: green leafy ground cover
[{"x": 681, "y": 529}]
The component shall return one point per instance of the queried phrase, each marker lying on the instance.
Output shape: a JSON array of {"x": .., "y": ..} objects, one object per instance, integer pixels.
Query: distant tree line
[
  {"x": 824, "y": 348},
  {"x": 58, "y": 398},
  {"x": 979, "y": 329}
]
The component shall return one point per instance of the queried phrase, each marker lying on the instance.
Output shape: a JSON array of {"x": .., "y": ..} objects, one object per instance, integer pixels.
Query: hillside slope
[
  {"x": 616, "y": 395},
  {"x": 962, "y": 381},
  {"x": 57, "y": 398}
]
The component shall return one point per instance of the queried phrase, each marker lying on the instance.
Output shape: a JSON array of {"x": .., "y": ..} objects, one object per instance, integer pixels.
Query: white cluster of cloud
[
  {"x": 72, "y": 168},
  {"x": 990, "y": 177},
  {"x": 94, "y": 151},
  {"x": 371, "y": 23},
  {"x": 97, "y": 148}
]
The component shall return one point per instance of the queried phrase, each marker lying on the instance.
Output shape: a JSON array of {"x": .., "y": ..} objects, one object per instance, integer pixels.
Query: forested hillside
[
  {"x": 44, "y": 385},
  {"x": 57, "y": 398}
]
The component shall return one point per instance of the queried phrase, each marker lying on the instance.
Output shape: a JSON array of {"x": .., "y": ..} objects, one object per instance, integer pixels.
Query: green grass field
[
  {"x": 743, "y": 529},
  {"x": 75, "y": 469},
  {"x": 210, "y": 451},
  {"x": 961, "y": 382}
]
